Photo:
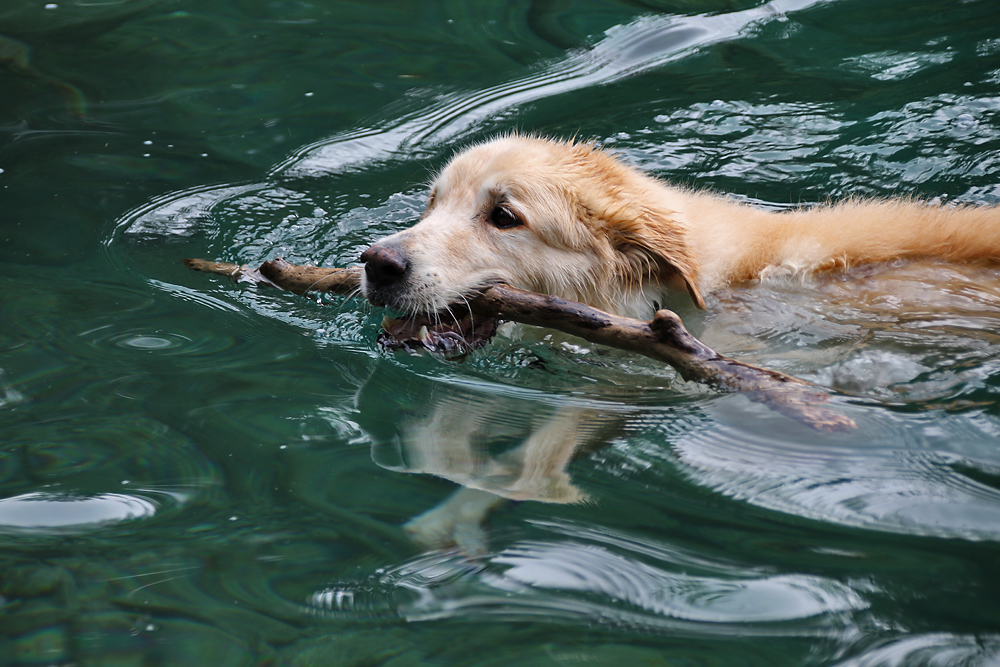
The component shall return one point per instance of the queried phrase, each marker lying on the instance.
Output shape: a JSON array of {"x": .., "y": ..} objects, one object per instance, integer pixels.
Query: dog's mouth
[{"x": 445, "y": 333}]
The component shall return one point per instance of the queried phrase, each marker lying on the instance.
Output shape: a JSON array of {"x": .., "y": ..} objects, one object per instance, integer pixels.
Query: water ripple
[
  {"x": 569, "y": 567},
  {"x": 61, "y": 512},
  {"x": 625, "y": 50},
  {"x": 80, "y": 471},
  {"x": 587, "y": 577},
  {"x": 930, "y": 650},
  {"x": 911, "y": 475}
]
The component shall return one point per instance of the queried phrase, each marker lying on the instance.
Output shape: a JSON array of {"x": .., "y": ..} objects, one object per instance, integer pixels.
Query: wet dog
[
  {"x": 571, "y": 220},
  {"x": 568, "y": 219}
]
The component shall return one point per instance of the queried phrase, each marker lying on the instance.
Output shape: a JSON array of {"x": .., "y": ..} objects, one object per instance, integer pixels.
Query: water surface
[{"x": 197, "y": 472}]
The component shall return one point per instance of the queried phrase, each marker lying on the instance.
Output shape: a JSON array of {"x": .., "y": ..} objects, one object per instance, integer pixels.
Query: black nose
[{"x": 384, "y": 265}]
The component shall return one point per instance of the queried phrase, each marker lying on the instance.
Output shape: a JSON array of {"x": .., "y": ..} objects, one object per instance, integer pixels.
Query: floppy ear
[
  {"x": 648, "y": 243},
  {"x": 653, "y": 246}
]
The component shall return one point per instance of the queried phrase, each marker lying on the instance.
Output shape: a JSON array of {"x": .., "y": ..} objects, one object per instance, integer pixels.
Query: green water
[{"x": 194, "y": 472}]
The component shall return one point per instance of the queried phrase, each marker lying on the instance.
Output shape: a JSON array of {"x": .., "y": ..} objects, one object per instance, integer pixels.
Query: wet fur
[
  {"x": 600, "y": 232},
  {"x": 597, "y": 231}
]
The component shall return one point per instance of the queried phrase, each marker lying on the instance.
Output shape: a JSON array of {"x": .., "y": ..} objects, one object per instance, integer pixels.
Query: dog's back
[{"x": 736, "y": 243}]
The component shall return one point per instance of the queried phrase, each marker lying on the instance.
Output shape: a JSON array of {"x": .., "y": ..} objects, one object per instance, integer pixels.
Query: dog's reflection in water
[{"x": 495, "y": 447}]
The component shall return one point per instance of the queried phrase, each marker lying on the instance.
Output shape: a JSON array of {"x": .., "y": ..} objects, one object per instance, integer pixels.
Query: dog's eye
[{"x": 502, "y": 217}]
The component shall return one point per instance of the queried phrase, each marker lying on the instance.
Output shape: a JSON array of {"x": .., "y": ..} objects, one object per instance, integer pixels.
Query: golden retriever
[{"x": 568, "y": 219}]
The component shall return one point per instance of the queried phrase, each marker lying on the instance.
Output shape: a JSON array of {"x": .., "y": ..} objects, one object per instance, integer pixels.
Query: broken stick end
[
  {"x": 236, "y": 272},
  {"x": 203, "y": 265}
]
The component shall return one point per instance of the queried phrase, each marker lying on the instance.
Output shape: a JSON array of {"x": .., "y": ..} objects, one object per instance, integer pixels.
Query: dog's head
[{"x": 552, "y": 217}]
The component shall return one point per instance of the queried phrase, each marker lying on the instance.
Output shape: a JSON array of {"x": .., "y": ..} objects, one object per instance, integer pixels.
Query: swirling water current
[{"x": 194, "y": 472}]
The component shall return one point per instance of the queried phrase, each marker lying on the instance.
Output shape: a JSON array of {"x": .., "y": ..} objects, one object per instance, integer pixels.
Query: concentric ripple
[
  {"x": 606, "y": 580},
  {"x": 65, "y": 512}
]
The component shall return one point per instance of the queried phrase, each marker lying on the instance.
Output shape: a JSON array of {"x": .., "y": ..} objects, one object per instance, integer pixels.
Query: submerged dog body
[{"x": 568, "y": 219}]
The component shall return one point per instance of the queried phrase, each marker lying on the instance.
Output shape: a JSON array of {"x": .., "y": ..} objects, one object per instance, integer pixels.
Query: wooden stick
[
  {"x": 278, "y": 273},
  {"x": 664, "y": 338}
]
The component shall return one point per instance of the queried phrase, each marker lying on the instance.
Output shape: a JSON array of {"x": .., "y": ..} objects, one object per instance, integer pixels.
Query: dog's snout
[{"x": 384, "y": 264}]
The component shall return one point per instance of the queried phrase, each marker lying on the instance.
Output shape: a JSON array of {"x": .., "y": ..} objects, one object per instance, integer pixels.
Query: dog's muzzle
[{"x": 452, "y": 332}]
